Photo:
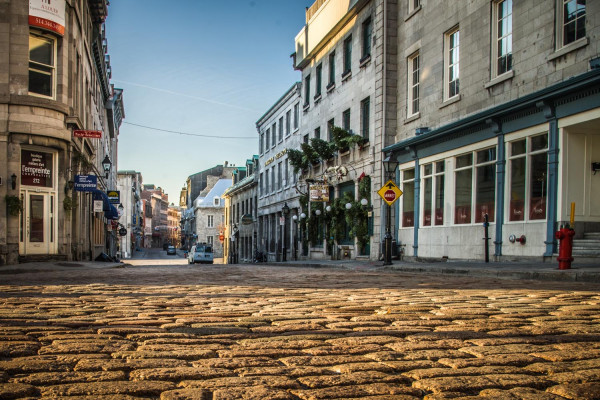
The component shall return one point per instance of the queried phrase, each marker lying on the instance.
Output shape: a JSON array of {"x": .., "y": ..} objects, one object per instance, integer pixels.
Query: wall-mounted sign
[
  {"x": 319, "y": 192},
  {"x": 122, "y": 232},
  {"x": 87, "y": 134},
  {"x": 48, "y": 15},
  {"x": 277, "y": 156},
  {"x": 114, "y": 196},
  {"x": 247, "y": 219},
  {"x": 85, "y": 183},
  {"x": 98, "y": 205},
  {"x": 36, "y": 168}
]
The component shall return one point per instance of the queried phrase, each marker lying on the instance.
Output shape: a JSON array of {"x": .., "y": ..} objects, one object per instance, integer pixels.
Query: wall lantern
[
  {"x": 348, "y": 206},
  {"x": 13, "y": 181},
  {"x": 106, "y": 164}
]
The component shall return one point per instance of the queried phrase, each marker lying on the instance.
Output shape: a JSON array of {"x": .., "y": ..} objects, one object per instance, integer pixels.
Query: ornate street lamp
[
  {"x": 106, "y": 164},
  {"x": 389, "y": 164},
  {"x": 285, "y": 210},
  {"x": 295, "y": 219}
]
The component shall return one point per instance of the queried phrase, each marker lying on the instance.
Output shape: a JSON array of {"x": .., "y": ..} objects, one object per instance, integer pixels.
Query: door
[{"x": 38, "y": 225}]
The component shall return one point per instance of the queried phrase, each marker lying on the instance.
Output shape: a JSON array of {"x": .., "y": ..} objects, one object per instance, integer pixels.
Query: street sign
[
  {"x": 80, "y": 133},
  {"x": 389, "y": 192},
  {"x": 85, "y": 183}
]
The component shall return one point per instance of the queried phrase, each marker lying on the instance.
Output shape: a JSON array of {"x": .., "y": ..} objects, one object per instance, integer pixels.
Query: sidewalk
[
  {"x": 583, "y": 272},
  {"x": 47, "y": 266}
]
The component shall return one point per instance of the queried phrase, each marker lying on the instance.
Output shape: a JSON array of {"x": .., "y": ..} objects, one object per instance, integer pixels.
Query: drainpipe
[{"x": 417, "y": 213}]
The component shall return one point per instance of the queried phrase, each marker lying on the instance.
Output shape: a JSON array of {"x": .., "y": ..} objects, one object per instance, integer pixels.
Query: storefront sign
[
  {"x": 48, "y": 14},
  {"x": 87, "y": 134},
  {"x": 276, "y": 157},
  {"x": 247, "y": 219},
  {"x": 85, "y": 183},
  {"x": 319, "y": 192},
  {"x": 36, "y": 168},
  {"x": 114, "y": 196},
  {"x": 98, "y": 205}
]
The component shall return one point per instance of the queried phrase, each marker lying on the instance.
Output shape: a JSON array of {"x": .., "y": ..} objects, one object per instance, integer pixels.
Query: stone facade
[
  {"x": 43, "y": 100},
  {"x": 129, "y": 184}
]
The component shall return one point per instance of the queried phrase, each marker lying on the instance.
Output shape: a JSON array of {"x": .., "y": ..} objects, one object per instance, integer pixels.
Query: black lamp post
[
  {"x": 106, "y": 164},
  {"x": 389, "y": 164},
  {"x": 295, "y": 219},
  {"x": 285, "y": 210}
]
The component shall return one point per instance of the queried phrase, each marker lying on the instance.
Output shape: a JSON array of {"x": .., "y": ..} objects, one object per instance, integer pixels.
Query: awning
[{"x": 110, "y": 212}]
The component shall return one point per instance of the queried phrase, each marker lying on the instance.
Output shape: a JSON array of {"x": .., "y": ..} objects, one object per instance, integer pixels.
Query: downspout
[
  {"x": 383, "y": 174},
  {"x": 417, "y": 214}
]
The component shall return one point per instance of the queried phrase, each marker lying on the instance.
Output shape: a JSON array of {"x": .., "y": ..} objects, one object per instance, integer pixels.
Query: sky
[{"x": 197, "y": 68}]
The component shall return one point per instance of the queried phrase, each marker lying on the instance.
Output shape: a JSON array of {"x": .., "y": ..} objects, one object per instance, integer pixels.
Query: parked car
[
  {"x": 201, "y": 253},
  {"x": 171, "y": 250},
  {"x": 165, "y": 246}
]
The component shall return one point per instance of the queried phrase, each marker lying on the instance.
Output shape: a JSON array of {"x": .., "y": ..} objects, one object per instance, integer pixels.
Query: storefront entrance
[{"x": 38, "y": 223}]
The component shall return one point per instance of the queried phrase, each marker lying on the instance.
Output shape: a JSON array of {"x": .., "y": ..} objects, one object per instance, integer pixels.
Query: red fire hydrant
[{"x": 565, "y": 249}]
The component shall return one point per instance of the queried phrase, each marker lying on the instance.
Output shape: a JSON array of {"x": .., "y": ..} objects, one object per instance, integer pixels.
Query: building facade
[
  {"x": 346, "y": 53},
  {"x": 209, "y": 214},
  {"x": 499, "y": 125},
  {"x": 129, "y": 184},
  {"x": 60, "y": 118},
  {"x": 278, "y": 130},
  {"x": 241, "y": 210}
]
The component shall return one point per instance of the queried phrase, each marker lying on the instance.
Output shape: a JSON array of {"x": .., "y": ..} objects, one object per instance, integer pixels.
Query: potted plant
[{"x": 14, "y": 205}]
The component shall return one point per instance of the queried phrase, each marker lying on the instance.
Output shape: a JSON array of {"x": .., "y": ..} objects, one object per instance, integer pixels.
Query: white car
[{"x": 201, "y": 253}]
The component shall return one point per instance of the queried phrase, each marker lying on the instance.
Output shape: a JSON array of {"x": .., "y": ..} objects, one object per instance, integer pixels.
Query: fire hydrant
[{"x": 565, "y": 249}]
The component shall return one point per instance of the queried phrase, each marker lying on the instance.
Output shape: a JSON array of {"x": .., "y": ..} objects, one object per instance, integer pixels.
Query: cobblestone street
[{"x": 259, "y": 332}]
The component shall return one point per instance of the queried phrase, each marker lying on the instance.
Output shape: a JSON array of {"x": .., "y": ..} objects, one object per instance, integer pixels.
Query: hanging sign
[
  {"x": 122, "y": 232},
  {"x": 48, "y": 15},
  {"x": 319, "y": 192},
  {"x": 87, "y": 134},
  {"x": 389, "y": 192},
  {"x": 85, "y": 183},
  {"x": 114, "y": 196},
  {"x": 98, "y": 205}
]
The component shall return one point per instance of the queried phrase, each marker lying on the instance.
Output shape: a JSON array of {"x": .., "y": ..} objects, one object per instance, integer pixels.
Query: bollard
[
  {"x": 486, "y": 224},
  {"x": 565, "y": 250}
]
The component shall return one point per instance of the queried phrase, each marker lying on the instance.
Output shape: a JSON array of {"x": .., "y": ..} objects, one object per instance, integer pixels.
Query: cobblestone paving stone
[{"x": 278, "y": 333}]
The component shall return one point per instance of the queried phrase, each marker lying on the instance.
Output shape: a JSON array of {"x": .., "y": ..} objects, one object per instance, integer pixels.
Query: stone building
[
  {"x": 241, "y": 210},
  {"x": 173, "y": 224},
  {"x": 59, "y": 118},
  {"x": 499, "y": 116},
  {"x": 347, "y": 55},
  {"x": 209, "y": 213},
  {"x": 129, "y": 184},
  {"x": 159, "y": 220},
  {"x": 278, "y": 130}
]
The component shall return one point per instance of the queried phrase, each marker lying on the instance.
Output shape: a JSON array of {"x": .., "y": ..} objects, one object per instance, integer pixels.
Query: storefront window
[
  {"x": 475, "y": 184},
  {"x": 485, "y": 198},
  {"x": 408, "y": 198},
  {"x": 463, "y": 189},
  {"x": 433, "y": 193}
]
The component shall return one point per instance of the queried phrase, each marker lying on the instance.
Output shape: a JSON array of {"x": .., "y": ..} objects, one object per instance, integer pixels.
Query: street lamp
[
  {"x": 295, "y": 219},
  {"x": 302, "y": 233},
  {"x": 389, "y": 164},
  {"x": 106, "y": 164},
  {"x": 285, "y": 210}
]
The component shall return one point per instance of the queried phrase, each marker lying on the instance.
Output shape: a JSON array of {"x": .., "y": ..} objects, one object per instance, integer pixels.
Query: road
[{"x": 162, "y": 329}]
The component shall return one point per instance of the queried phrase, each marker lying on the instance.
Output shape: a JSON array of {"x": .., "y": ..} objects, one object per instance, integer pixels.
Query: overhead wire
[{"x": 187, "y": 133}]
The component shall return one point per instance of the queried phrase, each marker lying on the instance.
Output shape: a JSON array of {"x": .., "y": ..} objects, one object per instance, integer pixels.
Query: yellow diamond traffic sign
[{"x": 390, "y": 192}]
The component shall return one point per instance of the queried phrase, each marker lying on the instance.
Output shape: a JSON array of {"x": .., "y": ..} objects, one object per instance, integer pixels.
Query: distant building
[
  {"x": 129, "y": 184},
  {"x": 209, "y": 214},
  {"x": 159, "y": 202}
]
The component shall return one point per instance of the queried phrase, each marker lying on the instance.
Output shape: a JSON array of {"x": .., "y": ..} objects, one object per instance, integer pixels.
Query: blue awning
[{"x": 110, "y": 212}]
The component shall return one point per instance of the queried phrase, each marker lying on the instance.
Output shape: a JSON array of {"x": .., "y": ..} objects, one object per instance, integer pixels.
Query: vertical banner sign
[
  {"x": 36, "y": 168},
  {"x": 48, "y": 14}
]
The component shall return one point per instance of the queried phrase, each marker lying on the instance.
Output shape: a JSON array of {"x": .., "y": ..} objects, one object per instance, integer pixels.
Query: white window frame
[
  {"x": 412, "y": 85},
  {"x": 210, "y": 221},
  {"x": 53, "y": 73},
  {"x": 210, "y": 240},
  {"x": 438, "y": 171},
  {"x": 560, "y": 27},
  {"x": 217, "y": 201},
  {"x": 496, "y": 39},
  {"x": 450, "y": 64}
]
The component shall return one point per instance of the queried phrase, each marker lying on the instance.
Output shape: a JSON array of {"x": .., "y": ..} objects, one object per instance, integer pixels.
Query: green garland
[{"x": 14, "y": 205}]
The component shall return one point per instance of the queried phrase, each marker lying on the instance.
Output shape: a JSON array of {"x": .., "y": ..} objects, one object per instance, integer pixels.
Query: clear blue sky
[{"x": 197, "y": 67}]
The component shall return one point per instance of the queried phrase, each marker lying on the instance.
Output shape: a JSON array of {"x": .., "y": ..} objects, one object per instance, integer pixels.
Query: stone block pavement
[{"x": 288, "y": 332}]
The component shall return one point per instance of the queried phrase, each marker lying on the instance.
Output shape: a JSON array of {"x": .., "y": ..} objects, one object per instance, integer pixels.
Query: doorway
[{"x": 38, "y": 223}]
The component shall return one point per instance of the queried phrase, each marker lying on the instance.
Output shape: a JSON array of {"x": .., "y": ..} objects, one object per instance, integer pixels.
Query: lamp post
[
  {"x": 389, "y": 164},
  {"x": 304, "y": 251},
  {"x": 106, "y": 164},
  {"x": 285, "y": 210},
  {"x": 295, "y": 219}
]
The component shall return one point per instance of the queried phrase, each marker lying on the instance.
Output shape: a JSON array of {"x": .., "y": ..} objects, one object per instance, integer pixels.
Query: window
[
  {"x": 318, "y": 133},
  {"x": 273, "y": 134},
  {"x": 261, "y": 142},
  {"x": 528, "y": 166},
  {"x": 433, "y": 193},
  {"x": 262, "y": 184},
  {"x": 42, "y": 65},
  {"x": 307, "y": 90},
  {"x": 478, "y": 179},
  {"x": 319, "y": 73},
  {"x": 330, "y": 125},
  {"x": 286, "y": 172},
  {"x": 305, "y": 139},
  {"x": 217, "y": 201},
  {"x": 347, "y": 55},
  {"x": 331, "y": 69},
  {"x": 273, "y": 182},
  {"x": 267, "y": 188},
  {"x": 281, "y": 129},
  {"x": 346, "y": 120},
  {"x": 365, "y": 110},
  {"x": 571, "y": 17},
  {"x": 367, "y": 33},
  {"x": 210, "y": 240},
  {"x": 408, "y": 197},
  {"x": 502, "y": 37},
  {"x": 210, "y": 223},
  {"x": 288, "y": 122},
  {"x": 279, "y": 176},
  {"x": 413, "y": 84},
  {"x": 413, "y": 5},
  {"x": 267, "y": 136},
  {"x": 451, "y": 62},
  {"x": 296, "y": 115}
]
